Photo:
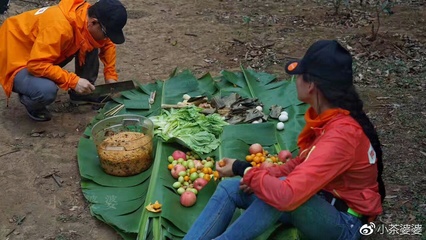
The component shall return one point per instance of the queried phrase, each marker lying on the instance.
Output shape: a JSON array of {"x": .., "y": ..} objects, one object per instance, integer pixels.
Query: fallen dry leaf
[{"x": 391, "y": 196}]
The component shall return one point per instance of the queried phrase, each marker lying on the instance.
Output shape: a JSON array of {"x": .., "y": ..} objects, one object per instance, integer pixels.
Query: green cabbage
[{"x": 190, "y": 127}]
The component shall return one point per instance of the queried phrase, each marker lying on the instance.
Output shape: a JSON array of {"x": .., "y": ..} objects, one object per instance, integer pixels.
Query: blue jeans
[
  {"x": 36, "y": 93},
  {"x": 315, "y": 219}
]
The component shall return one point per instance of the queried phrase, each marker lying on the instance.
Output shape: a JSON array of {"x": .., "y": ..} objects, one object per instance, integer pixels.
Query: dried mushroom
[
  {"x": 275, "y": 111},
  {"x": 156, "y": 207}
]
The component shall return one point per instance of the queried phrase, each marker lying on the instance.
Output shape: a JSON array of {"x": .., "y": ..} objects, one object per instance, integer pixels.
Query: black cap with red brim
[{"x": 326, "y": 60}]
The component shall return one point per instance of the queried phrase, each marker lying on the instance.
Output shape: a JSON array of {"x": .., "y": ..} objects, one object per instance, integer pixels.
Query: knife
[{"x": 111, "y": 88}]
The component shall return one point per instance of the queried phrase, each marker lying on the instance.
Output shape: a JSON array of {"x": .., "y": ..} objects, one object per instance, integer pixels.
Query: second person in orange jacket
[{"x": 37, "y": 44}]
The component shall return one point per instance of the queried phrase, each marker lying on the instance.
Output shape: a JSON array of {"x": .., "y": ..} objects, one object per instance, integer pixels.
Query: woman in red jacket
[{"x": 331, "y": 188}]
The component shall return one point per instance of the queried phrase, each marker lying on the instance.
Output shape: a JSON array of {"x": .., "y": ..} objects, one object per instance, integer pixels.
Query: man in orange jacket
[{"x": 36, "y": 45}]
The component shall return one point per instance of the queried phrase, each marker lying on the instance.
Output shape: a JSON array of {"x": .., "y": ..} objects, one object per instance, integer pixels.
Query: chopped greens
[{"x": 189, "y": 126}]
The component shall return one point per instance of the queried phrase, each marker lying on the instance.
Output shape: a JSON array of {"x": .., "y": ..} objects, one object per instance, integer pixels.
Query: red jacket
[
  {"x": 43, "y": 38},
  {"x": 340, "y": 160}
]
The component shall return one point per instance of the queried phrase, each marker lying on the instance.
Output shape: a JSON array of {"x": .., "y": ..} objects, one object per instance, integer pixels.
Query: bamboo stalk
[
  {"x": 117, "y": 110},
  {"x": 174, "y": 105},
  {"x": 113, "y": 109}
]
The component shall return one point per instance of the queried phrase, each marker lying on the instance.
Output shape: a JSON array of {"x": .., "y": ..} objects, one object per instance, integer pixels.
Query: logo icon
[
  {"x": 292, "y": 66},
  {"x": 367, "y": 229},
  {"x": 371, "y": 155}
]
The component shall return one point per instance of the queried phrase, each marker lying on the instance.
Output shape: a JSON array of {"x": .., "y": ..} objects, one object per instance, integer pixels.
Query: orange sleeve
[
  {"x": 108, "y": 58},
  {"x": 333, "y": 154},
  {"x": 47, "y": 48}
]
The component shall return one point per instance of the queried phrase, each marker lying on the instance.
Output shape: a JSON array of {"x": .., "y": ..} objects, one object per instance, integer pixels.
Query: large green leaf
[
  {"x": 160, "y": 189},
  {"x": 118, "y": 206},
  {"x": 236, "y": 139},
  {"x": 269, "y": 91},
  {"x": 178, "y": 85},
  {"x": 121, "y": 201},
  {"x": 263, "y": 86},
  {"x": 206, "y": 83}
]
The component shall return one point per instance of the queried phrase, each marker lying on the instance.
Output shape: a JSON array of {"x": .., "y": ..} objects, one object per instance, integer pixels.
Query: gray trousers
[{"x": 37, "y": 92}]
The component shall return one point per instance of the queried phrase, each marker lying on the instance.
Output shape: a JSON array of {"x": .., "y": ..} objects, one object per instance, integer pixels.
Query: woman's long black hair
[{"x": 348, "y": 98}]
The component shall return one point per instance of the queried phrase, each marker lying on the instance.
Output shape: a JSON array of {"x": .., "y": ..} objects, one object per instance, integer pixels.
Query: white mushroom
[
  {"x": 283, "y": 117},
  {"x": 186, "y": 97},
  {"x": 280, "y": 125}
]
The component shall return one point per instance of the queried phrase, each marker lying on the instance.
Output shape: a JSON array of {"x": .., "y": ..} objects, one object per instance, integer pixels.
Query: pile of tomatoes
[
  {"x": 191, "y": 173},
  {"x": 257, "y": 155}
]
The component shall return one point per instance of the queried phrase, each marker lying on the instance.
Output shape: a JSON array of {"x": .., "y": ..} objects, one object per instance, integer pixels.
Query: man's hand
[
  {"x": 110, "y": 81},
  {"x": 84, "y": 86},
  {"x": 226, "y": 170}
]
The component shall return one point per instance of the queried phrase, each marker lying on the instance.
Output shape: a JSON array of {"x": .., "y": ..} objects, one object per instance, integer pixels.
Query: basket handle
[{"x": 131, "y": 122}]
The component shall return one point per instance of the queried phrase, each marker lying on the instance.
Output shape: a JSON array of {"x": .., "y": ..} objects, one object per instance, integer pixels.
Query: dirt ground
[{"x": 209, "y": 36}]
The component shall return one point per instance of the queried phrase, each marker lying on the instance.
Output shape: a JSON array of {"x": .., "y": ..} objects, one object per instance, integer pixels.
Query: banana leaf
[
  {"x": 206, "y": 82},
  {"x": 269, "y": 91},
  {"x": 265, "y": 87},
  {"x": 160, "y": 189},
  {"x": 120, "y": 201},
  {"x": 178, "y": 85},
  {"x": 141, "y": 94}
]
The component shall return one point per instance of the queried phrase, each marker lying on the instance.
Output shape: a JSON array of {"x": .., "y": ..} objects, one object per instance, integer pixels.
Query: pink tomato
[
  {"x": 178, "y": 154},
  {"x": 188, "y": 198}
]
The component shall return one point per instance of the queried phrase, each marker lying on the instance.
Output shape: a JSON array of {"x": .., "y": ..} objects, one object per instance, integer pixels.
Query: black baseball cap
[
  {"x": 326, "y": 60},
  {"x": 113, "y": 16}
]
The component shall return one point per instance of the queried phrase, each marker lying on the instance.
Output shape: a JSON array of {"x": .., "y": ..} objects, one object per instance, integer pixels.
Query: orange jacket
[
  {"x": 340, "y": 159},
  {"x": 43, "y": 38}
]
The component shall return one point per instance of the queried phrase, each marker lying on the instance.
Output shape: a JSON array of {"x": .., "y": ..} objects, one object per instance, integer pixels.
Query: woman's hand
[
  {"x": 244, "y": 187},
  {"x": 226, "y": 170},
  {"x": 284, "y": 155}
]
